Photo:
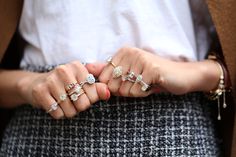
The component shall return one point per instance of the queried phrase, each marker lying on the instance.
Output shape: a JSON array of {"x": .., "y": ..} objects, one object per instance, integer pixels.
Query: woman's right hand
[{"x": 44, "y": 89}]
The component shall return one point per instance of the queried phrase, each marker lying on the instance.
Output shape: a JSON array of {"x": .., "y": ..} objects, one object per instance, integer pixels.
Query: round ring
[
  {"x": 62, "y": 97},
  {"x": 54, "y": 107},
  {"x": 90, "y": 79},
  {"x": 117, "y": 72},
  {"x": 75, "y": 96},
  {"x": 109, "y": 60}
]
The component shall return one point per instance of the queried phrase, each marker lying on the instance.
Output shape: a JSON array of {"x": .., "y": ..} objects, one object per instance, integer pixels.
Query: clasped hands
[{"x": 67, "y": 90}]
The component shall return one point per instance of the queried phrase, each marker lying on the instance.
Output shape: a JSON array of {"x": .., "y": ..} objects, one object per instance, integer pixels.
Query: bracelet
[{"x": 222, "y": 88}]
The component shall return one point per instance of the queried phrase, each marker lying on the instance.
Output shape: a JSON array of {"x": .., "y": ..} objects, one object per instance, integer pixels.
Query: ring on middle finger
[{"x": 90, "y": 79}]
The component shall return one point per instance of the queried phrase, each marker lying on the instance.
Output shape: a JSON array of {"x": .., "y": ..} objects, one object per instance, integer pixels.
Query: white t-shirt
[{"x": 90, "y": 31}]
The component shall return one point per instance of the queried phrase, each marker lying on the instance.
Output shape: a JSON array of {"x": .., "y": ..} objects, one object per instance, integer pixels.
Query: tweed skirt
[{"x": 157, "y": 125}]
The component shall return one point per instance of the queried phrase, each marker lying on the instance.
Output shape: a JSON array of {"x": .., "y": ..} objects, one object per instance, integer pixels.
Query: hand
[
  {"x": 44, "y": 89},
  {"x": 162, "y": 74},
  {"x": 130, "y": 59}
]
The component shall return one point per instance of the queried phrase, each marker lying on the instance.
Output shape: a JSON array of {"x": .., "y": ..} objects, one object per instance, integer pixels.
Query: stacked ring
[
  {"x": 74, "y": 96},
  {"x": 75, "y": 92}
]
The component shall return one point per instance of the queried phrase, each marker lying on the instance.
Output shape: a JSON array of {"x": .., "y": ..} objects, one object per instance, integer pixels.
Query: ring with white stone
[
  {"x": 109, "y": 60},
  {"x": 75, "y": 96},
  {"x": 145, "y": 86},
  {"x": 62, "y": 97},
  {"x": 77, "y": 88},
  {"x": 117, "y": 72},
  {"x": 129, "y": 77},
  {"x": 54, "y": 107},
  {"x": 90, "y": 79}
]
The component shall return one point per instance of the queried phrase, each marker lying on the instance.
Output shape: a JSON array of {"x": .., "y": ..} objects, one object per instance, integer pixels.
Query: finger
[
  {"x": 68, "y": 75},
  {"x": 107, "y": 71},
  {"x": 136, "y": 89},
  {"x": 89, "y": 89},
  {"x": 42, "y": 97},
  {"x": 103, "y": 91},
  {"x": 140, "y": 68},
  {"x": 57, "y": 89},
  {"x": 95, "y": 68},
  {"x": 134, "y": 67}
]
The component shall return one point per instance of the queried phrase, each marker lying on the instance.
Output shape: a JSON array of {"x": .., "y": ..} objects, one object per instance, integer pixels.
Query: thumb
[
  {"x": 95, "y": 68},
  {"x": 103, "y": 91}
]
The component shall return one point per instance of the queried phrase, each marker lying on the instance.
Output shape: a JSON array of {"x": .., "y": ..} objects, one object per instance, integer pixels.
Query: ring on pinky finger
[{"x": 53, "y": 107}]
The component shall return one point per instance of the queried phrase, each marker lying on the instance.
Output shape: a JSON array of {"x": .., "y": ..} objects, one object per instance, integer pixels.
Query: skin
[{"x": 42, "y": 89}]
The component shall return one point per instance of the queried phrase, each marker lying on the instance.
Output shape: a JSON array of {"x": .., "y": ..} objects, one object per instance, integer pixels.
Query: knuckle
[
  {"x": 50, "y": 80},
  {"x": 76, "y": 64},
  {"x": 62, "y": 70}
]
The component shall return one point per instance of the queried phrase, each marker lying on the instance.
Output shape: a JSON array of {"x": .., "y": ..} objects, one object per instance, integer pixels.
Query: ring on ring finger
[
  {"x": 129, "y": 77},
  {"x": 74, "y": 96},
  {"x": 145, "y": 86}
]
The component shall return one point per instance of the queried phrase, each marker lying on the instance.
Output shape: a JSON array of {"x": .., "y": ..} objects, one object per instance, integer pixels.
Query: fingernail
[{"x": 108, "y": 94}]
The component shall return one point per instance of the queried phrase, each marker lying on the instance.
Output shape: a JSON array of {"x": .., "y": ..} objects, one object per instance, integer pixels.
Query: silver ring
[
  {"x": 62, "y": 97},
  {"x": 77, "y": 88},
  {"x": 54, "y": 107},
  {"x": 75, "y": 96},
  {"x": 117, "y": 72},
  {"x": 129, "y": 77},
  {"x": 109, "y": 60},
  {"x": 90, "y": 79},
  {"x": 145, "y": 86}
]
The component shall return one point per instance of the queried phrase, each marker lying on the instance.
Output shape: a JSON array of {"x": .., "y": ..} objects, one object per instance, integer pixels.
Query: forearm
[
  {"x": 10, "y": 92},
  {"x": 184, "y": 77}
]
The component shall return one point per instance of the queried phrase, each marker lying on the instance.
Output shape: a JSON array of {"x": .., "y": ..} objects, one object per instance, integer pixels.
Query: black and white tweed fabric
[{"x": 159, "y": 125}]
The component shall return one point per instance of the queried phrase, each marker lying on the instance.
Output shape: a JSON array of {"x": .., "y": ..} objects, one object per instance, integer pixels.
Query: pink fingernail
[{"x": 108, "y": 94}]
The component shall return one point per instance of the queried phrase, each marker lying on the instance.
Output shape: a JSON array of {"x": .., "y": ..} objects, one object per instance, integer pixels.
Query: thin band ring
[
  {"x": 109, "y": 60},
  {"x": 53, "y": 107},
  {"x": 75, "y": 95}
]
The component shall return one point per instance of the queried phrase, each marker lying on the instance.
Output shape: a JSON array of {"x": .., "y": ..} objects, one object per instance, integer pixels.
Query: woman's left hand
[
  {"x": 134, "y": 60},
  {"x": 160, "y": 73}
]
